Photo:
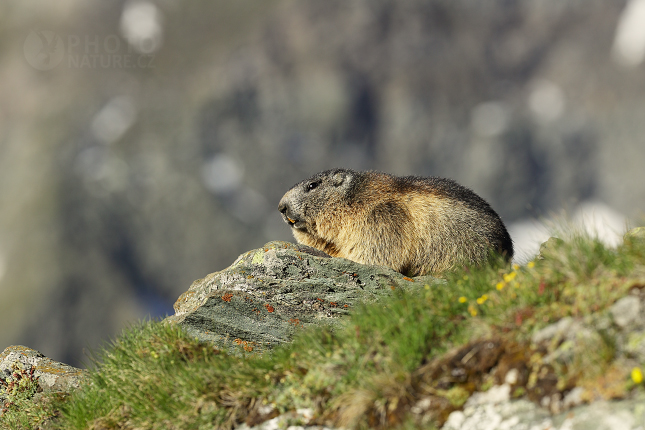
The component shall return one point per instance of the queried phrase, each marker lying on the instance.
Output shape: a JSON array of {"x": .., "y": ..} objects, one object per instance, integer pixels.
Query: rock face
[{"x": 268, "y": 293}]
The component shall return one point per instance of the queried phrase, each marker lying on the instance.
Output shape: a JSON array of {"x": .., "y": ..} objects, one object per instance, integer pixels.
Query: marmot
[{"x": 415, "y": 225}]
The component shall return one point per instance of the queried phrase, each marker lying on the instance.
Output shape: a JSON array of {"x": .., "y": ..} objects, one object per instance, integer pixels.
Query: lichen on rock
[
  {"x": 267, "y": 294},
  {"x": 51, "y": 375}
]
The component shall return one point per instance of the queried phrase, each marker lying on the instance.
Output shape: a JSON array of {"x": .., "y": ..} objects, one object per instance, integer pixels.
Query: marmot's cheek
[{"x": 300, "y": 225}]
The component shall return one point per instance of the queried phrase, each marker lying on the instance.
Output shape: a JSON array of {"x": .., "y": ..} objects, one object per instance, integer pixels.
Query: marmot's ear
[{"x": 339, "y": 178}]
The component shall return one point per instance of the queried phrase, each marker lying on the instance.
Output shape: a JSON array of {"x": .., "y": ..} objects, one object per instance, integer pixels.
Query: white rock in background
[
  {"x": 592, "y": 217},
  {"x": 527, "y": 237},
  {"x": 601, "y": 221},
  {"x": 629, "y": 42},
  {"x": 141, "y": 25},
  {"x": 546, "y": 100}
]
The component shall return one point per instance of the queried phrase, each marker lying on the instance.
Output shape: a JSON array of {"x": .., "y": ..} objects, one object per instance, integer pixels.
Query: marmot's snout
[{"x": 287, "y": 213}]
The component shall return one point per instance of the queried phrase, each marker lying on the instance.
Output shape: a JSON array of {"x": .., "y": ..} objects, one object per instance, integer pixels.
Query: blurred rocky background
[{"x": 145, "y": 144}]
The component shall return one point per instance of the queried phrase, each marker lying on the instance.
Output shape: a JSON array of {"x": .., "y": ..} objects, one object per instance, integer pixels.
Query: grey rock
[
  {"x": 568, "y": 337},
  {"x": 52, "y": 375},
  {"x": 573, "y": 398},
  {"x": 524, "y": 415},
  {"x": 269, "y": 293},
  {"x": 626, "y": 311},
  {"x": 575, "y": 342},
  {"x": 560, "y": 329},
  {"x": 515, "y": 415},
  {"x": 496, "y": 394},
  {"x": 603, "y": 415}
]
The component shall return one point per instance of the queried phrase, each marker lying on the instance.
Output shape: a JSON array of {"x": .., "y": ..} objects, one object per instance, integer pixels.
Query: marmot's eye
[{"x": 312, "y": 185}]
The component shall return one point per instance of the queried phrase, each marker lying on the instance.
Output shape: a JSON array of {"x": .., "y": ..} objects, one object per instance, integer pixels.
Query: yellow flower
[
  {"x": 637, "y": 375},
  {"x": 482, "y": 299},
  {"x": 531, "y": 264},
  {"x": 462, "y": 299},
  {"x": 465, "y": 277},
  {"x": 499, "y": 286},
  {"x": 508, "y": 277},
  {"x": 516, "y": 267}
]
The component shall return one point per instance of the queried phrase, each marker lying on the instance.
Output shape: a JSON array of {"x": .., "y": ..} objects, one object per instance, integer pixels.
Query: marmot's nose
[{"x": 287, "y": 214}]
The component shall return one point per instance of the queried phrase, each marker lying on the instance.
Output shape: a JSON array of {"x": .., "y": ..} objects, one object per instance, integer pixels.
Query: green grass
[{"x": 370, "y": 370}]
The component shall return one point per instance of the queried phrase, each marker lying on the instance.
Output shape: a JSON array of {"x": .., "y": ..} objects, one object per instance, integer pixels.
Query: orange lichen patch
[
  {"x": 248, "y": 346},
  {"x": 408, "y": 279},
  {"x": 183, "y": 299},
  {"x": 333, "y": 304},
  {"x": 295, "y": 321},
  {"x": 320, "y": 300},
  {"x": 269, "y": 307},
  {"x": 227, "y": 297},
  {"x": 392, "y": 287}
]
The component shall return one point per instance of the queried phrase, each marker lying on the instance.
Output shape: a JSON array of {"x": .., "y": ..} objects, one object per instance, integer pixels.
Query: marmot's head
[{"x": 304, "y": 205}]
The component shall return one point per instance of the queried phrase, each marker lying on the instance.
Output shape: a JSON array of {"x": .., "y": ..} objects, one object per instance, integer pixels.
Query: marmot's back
[{"x": 412, "y": 224}]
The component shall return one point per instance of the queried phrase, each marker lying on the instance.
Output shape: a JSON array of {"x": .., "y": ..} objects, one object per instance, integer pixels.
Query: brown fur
[{"x": 414, "y": 225}]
